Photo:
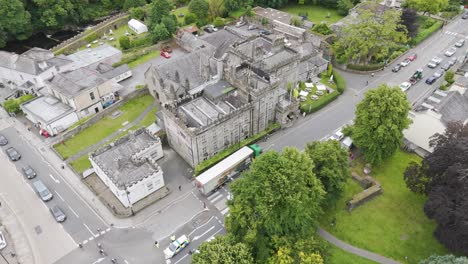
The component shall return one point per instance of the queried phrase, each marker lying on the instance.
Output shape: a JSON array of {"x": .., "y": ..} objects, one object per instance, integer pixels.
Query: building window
[
  {"x": 150, "y": 186},
  {"x": 91, "y": 94}
]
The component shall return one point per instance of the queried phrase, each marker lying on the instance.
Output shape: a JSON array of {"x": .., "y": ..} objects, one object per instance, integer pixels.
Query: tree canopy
[
  {"x": 425, "y": 6},
  {"x": 409, "y": 18},
  {"x": 15, "y": 21},
  {"x": 199, "y": 8},
  {"x": 370, "y": 37},
  {"x": 380, "y": 120},
  {"x": 330, "y": 166},
  {"x": 223, "y": 250},
  {"x": 279, "y": 196},
  {"x": 161, "y": 23}
]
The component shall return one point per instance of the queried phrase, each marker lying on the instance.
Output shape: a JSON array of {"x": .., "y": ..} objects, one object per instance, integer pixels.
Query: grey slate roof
[
  {"x": 74, "y": 82},
  {"x": 33, "y": 61},
  {"x": 221, "y": 40},
  {"x": 107, "y": 71},
  {"x": 453, "y": 107}
]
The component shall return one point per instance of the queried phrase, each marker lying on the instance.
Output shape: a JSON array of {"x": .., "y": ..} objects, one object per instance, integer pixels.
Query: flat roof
[
  {"x": 226, "y": 164},
  {"x": 47, "y": 108},
  {"x": 86, "y": 57}
]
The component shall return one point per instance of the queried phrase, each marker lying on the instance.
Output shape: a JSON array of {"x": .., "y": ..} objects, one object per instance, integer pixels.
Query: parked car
[
  {"x": 3, "y": 242},
  {"x": 460, "y": 43},
  {"x": 405, "y": 86},
  {"x": 405, "y": 62},
  {"x": 434, "y": 62},
  {"x": 465, "y": 16},
  {"x": 213, "y": 28},
  {"x": 412, "y": 57},
  {"x": 42, "y": 191},
  {"x": 3, "y": 140},
  {"x": 396, "y": 68},
  {"x": 13, "y": 154},
  {"x": 431, "y": 80},
  {"x": 208, "y": 30},
  {"x": 165, "y": 54},
  {"x": 265, "y": 32},
  {"x": 252, "y": 27},
  {"x": 446, "y": 66},
  {"x": 28, "y": 172},
  {"x": 240, "y": 23},
  {"x": 438, "y": 73},
  {"x": 58, "y": 214},
  {"x": 450, "y": 52},
  {"x": 339, "y": 135},
  {"x": 167, "y": 49},
  {"x": 176, "y": 246}
]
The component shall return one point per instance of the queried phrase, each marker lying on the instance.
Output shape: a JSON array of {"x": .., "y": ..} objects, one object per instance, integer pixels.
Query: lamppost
[{"x": 129, "y": 203}]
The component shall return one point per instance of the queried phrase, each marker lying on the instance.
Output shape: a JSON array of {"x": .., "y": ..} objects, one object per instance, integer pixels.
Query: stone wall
[
  {"x": 70, "y": 133},
  {"x": 372, "y": 188},
  {"x": 72, "y": 44}
]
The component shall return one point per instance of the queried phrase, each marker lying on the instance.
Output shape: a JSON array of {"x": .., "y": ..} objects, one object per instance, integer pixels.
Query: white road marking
[
  {"x": 84, "y": 242},
  {"x": 126, "y": 262},
  {"x": 60, "y": 196},
  {"x": 181, "y": 259},
  {"x": 98, "y": 260},
  {"x": 87, "y": 227},
  {"x": 201, "y": 226},
  {"x": 216, "y": 194},
  {"x": 73, "y": 211},
  {"x": 204, "y": 233},
  {"x": 212, "y": 237},
  {"x": 108, "y": 229},
  {"x": 55, "y": 180},
  {"x": 217, "y": 198},
  {"x": 225, "y": 210}
]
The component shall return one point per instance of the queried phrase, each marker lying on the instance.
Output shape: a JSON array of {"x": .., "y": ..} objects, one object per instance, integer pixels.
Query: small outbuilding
[{"x": 137, "y": 26}]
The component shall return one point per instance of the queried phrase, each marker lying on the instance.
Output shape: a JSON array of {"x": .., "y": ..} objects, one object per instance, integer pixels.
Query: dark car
[
  {"x": 28, "y": 172},
  {"x": 396, "y": 68},
  {"x": 265, "y": 32},
  {"x": 465, "y": 16},
  {"x": 431, "y": 80},
  {"x": 58, "y": 214},
  {"x": 3, "y": 140},
  {"x": 13, "y": 154}
]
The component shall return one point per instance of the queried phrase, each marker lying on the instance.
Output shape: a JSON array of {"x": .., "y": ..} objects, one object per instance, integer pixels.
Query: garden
[
  {"x": 314, "y": 13},
  {"x": 392, "y": 224}
]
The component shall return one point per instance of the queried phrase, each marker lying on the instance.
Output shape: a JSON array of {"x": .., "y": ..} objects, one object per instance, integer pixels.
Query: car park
[
  {"x": 165, "y": 54},
  {"x": 13, "y": 154},
  {"x": 412, "y": 57},
  {"x": 434, "y": 62},
  {"x": 446, "y": 66},
  {"x": 450, "y": 52},
  {"x": 3, "y": 140},
  {"x": 396, "y": 68},
  {"x": 28, "y": 172},
  {"x": 438, "y": 73},
  {"x": 405, "y": 62},
  {"x": 405, "y": 86},
  {"x": 460, "y": 43},
  {"x": 42, "y": 191},
  {"x": 3, "y": 242},
  {"x": 58, "y": 214},
  {"x": 431, "y": 80},
  {"x": 176, "y": 246}
]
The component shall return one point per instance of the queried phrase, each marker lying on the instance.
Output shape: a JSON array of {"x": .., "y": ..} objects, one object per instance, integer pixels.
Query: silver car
[
  {"x": 3, "y": 140},
  {"x": 438, "y": 73},
  {"x": 3, "y": 242},
  {"x": 460, "y": 43},
  {"x": 450, "y": 52},
  {"x": 58, "y": 214}
]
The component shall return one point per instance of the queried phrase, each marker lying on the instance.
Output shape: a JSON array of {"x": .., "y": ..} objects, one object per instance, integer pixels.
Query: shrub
[
  {"x": 218, "y": 22},
  {"x": 365, "y": 67},
  {"x": 124, "y": 42},
  {"x": 425, "y": 33},
  {"x": 319, "y": 104},
  {"x": 322, "y": 28},
  {"x": 190, "y": 18},
  {"x": 137, "y": 12},
  {"x": 201, "y": 22},
  {"x": 13, "y": 105},
  {"x": 296, "y": 21},
  {"x": 146, "y": 41},
  {"x": 449, "y": 77},
  {"x": 91, "y": 37},
  {"x": 339, "y": 81},
  {"x": 395, "y": 55}
]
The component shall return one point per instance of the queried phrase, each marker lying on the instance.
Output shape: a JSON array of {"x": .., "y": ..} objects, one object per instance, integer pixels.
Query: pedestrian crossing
[
  {"x": 219, "y": 200},
  {"x": 455, "y": 34}
]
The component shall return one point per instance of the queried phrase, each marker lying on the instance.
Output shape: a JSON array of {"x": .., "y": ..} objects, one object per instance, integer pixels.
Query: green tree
[
  {"x": 331, "y": 166},
  {"x": 371, "y": 37},
  {"x": 158, "y": 10},
  {"x": 11, "y": 106},
  {"x": 292, "y": 250},
  {"x": 137, "y": 13},
  {"x": 278, "y": 196},
  {"x": 248, "y": 11},
  {"x": 447, "y": 259},
  {"x": 216, "y": 8},
  {"x": 449, "y": 76},
  {"x": 223, "y": 250},
  {"x": 301, "y": 2},
  {"x": 190, "y": 18},
  {"x": 218, "y": 22},
  {"x": 170, "y": 22},
  {"x": 124, "y": 42},
  {"x": 160, "y": 32},
  {"x": 380, "y": 120},
  {"x": 231, "y": 5},
  {"x": 343, "y": 7},
  {"x": 133, "y": 3},
  {"x": 416, "y": 178},
  {"x": 56, "y": 13},
  {"x": 199, "y": 8},
  {"x": 431, "y": 7},
  {"x": 322, "y": 28},
  {"x": 15, "y": 21}
]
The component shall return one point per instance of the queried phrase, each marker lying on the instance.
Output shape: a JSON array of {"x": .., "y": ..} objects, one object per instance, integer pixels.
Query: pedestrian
[
  {"x": 204, "y": 205},
  {"x": 367, "y": 82},
  {"x": 156, "y": 244},
  {"x": 114, "y": 260},
  {"x": 372, "y": 74},
  {"x": 63, "y": 167},
  {"x": 101, "y": 251},
  {"x": 29, "y": 128},
  {"x": 80, "y": 245},
  {"x": 180, "y": 188}
]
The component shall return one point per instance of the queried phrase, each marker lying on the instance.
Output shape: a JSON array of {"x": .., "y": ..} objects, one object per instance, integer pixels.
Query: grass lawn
[
  {"x": 339, "y": 256},
  {"x": 81, "y": 164},
  {"x": 104, "y": 127},
  {"x": 238, "y": 13},
  {"x": 316, "y": 14},
  {"x": 310, "y": 105},
  {"x": 181, "y": 10},
  {"x": 392, "y": 224},
  {"x": 116, "y": 34},
  {"x": 144, "y": 58}
]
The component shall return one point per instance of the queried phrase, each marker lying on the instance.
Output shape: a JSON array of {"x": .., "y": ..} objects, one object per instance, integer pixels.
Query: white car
[
  {"x": 405, "y": 86},
  {"x": 176, "y": 246},
  {"x": 339, "y": 135},
  {"x": 460, "y": 43},
  {"x": 434, "y": 62},
  {"x": 3, "y": 242},
  {"x": 450, "y": 52},
  {"x": 405, "y": 62}
]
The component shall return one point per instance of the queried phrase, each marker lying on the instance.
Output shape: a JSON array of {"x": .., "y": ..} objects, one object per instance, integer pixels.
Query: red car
[
  {"x": 165, "y": 54},
  {"x": 412, "y": 57}
]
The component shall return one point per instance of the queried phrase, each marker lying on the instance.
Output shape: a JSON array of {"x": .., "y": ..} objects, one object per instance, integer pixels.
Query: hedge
[
  {"x": 13, "y": 105},
  {"x": 314, "y": 106},
  {"x": 339, "y": 81},
  {"x": 365, "y": 67},
  {"x": 206, "y": 164},
  {"x": 425, "y": 33}
]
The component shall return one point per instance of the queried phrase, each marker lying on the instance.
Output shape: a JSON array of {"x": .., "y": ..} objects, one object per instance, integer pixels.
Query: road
[{"x": 187, "y": 214}]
